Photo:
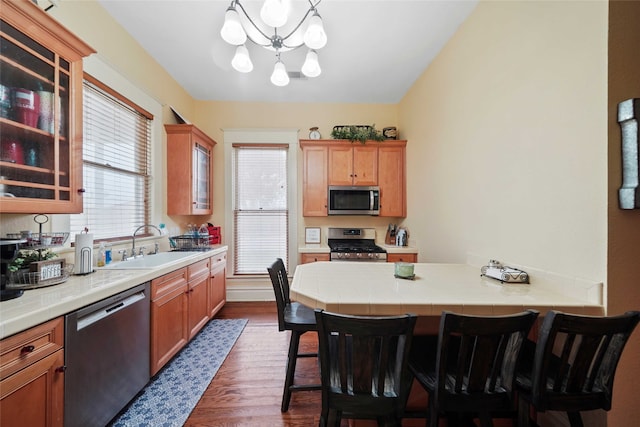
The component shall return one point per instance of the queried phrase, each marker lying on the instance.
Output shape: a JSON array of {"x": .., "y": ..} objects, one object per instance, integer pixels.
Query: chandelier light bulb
[
  {"x": 274, "y": 13},
  {"x": 241, "y": 60},
  {"x": 279, "y": 76},
  {"x": 232, "y": 31},
  {"x": 311, "y": 66},
  {"x": 315, "y": 37}
]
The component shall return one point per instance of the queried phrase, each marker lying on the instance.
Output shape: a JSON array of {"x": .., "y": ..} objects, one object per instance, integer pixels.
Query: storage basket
[
  {"x": 44, "y": 240},
  {"x": 26, "y": 279}
]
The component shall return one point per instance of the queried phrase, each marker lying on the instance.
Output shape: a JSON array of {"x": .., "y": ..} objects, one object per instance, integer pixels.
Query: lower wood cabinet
[
  {"x": 218, "y": 283},
  {"x": 182, "y": 302},
  {"x": 169, "y": 317},
  {"x": 313, "y": 257},
  {"x": 32, "y": 376},
  {"x": 409, "y": 257},
  {"x": 198, "y": 311}
]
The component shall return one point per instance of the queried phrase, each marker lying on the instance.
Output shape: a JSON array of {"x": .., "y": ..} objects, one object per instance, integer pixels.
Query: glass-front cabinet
[
  {"x": 189, "y": 170},
  {"x": 40, "y": 112}
]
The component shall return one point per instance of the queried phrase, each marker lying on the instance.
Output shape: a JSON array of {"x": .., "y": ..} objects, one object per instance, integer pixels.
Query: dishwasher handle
[{"x": 95, "y": 316}]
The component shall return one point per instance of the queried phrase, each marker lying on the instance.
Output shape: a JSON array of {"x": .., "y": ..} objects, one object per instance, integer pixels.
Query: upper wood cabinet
[
  {"x": 189, "y": 170},
  {"x": 314, "y": 180},
  {"x": 340, "y": 162},
  {"x": 353, "y": 164},
  {"x": 40, "y": 112},
  {"x": 391, "y": 179}
]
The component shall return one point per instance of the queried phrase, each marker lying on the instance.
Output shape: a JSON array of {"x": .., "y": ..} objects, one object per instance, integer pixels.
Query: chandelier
[{"x": 274, "y": 13}]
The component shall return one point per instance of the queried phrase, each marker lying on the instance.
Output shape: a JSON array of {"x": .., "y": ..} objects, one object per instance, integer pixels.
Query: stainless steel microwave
[{"x": 354, "y": 200}]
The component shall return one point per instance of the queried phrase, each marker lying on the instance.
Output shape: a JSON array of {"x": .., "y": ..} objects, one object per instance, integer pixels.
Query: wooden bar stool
[
  {"x": 472, "y": 371},
  {"x": 294, "y": 317},
  {"x": 364, "y": 367},
  {"x": 573, "y": 364}
]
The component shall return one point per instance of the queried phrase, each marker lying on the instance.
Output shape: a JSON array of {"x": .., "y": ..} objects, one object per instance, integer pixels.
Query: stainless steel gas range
[{"x": 354, "y": 244}]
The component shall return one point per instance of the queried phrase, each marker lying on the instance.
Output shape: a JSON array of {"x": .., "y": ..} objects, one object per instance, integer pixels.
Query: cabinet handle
[
  {"x": 60, "y": 369},
  {"x": 27, "y": 349},
  {"x": 81, "y": 190}
]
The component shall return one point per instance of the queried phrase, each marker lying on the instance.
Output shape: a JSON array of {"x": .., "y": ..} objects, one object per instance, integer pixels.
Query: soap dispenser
[{"x": 102, "y": 255}]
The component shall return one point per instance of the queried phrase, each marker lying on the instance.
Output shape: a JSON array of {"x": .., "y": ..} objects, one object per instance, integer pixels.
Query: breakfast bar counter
[{"x": 370, "y": 288}]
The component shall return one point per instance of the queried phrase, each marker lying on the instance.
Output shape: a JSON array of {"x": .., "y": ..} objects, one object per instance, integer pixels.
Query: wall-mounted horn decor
[{"x": 628, "y": 115}]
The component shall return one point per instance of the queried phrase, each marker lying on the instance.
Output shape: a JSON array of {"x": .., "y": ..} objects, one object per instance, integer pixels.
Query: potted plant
[
  {"x": 27, "y": 256},
  {"x": 357, "y": 133}
]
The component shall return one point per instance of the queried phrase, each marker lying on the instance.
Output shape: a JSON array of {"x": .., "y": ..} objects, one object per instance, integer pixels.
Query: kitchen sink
[{"x": 149, "y": 261}]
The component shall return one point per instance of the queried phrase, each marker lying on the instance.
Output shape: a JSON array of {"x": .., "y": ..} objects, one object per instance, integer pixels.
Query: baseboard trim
[{"x": 247, "y": 289}]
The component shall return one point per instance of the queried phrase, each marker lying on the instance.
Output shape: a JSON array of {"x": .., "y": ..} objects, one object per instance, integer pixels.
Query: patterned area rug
[{"x": 172, "y": 394}]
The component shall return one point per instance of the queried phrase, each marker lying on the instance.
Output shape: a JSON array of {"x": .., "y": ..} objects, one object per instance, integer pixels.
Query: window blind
[
  {"x": 116, "y": 166},
  {"x": 261, "y": 214}
]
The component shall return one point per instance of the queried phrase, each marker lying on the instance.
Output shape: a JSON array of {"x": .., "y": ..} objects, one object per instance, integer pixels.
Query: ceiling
[{"x": 375, "y": 51}]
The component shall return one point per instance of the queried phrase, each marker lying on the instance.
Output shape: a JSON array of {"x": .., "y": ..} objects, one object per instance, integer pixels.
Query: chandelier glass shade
[{"x": 239, "y": 27}]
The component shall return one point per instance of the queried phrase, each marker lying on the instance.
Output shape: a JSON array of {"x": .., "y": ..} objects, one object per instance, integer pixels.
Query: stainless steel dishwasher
[{"x": 107, "y": 357}]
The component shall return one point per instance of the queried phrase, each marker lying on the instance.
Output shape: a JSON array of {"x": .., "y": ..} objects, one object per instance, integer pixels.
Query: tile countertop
[
  {"x": 371, "y": 289},
  {"x": 36, "y": 306}
]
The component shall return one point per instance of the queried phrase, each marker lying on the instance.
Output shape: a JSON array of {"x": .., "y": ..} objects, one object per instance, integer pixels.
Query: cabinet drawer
[
  {"x": 198, "y": 268},
  {"x": 24, "y": 348},
  {"x": 306, "y": 258},
  {"x": 218, "y": 261},
  {"x": 402, "y": 257},
  {"x": 176, "y": 280}
]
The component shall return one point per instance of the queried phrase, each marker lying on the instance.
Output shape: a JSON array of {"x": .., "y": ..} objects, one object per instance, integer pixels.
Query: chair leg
[
  {"x": 575, "y": 419},
  {"x": 432, "y": 414},
  {"x": 485, "y": 419},
  {"x": 523, "y": 413},
  {"x": 291, "y": 370},
  {"x": 334, "y": 418}
]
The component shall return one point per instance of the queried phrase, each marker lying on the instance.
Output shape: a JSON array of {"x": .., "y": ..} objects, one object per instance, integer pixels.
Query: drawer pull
[
  {"x": 27, "y": 349},
  {"x": 61, "y": 368}
]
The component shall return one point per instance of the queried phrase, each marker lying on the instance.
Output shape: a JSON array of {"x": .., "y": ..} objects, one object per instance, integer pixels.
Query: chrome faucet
[{"x": 133, "y": 247}]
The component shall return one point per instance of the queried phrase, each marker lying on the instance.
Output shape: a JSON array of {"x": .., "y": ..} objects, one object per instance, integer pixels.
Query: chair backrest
[
  {"x": 280, "y": 282},
  {"x": 478, "y": 355},
  {"x": 364, "y": 362},
  {"x": 576, "y": 358}
]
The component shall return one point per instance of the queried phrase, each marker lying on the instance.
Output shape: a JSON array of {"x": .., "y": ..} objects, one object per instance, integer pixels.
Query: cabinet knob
[
  {"x": 81, "y": 190},
  {"x": 61, "y": 368},
  {"x": 27, "y": 349}
]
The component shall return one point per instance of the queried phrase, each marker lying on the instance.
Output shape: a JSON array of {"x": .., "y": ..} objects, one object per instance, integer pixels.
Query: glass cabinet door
[
  {"x": 201, "y": 173},
  {"x": 34, "y": 86},
  {"x": 40, "y": 112}
]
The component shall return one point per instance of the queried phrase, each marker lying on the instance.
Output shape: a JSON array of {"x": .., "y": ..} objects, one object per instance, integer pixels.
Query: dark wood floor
[{"x": 247, "y": 390}]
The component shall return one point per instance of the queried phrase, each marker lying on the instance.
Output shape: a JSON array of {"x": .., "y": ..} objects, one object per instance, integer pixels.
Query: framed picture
[{"x": 312, "y": 235}]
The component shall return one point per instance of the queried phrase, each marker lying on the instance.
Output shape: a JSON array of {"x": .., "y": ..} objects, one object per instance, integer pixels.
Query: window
[
  {"x": 116, "y": 164},
  {"x": 260, "y": 206}
]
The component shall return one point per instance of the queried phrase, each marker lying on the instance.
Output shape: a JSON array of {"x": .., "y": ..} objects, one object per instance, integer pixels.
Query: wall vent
[{"x": 296, "y": 75}]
